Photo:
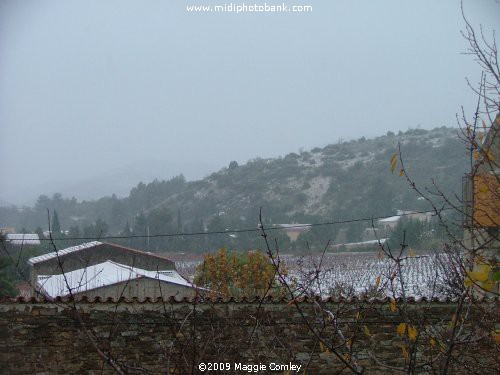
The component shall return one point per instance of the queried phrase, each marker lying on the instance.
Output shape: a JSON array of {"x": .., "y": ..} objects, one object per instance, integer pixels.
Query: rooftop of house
[
  {"x": 55, "y": 254},
  {"x": 295, "y": 227},
  {"x": 391, "y": 219},
  {"x": 94, "y": 253},
  {"x": 21, "y": 239},
  {"x": 101, "y": 275}
]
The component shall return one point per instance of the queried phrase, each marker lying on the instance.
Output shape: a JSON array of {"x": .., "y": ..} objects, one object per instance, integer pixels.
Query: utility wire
[{"x": 272, "y": 227}]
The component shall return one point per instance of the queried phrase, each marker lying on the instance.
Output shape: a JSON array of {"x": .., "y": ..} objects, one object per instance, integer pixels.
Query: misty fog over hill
[
  {"x": 116, "y": 181},
  {"x": 161, "y": 83}
]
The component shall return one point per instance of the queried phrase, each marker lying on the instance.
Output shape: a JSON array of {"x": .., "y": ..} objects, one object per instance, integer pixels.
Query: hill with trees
[{"x": 338, "y": 182}]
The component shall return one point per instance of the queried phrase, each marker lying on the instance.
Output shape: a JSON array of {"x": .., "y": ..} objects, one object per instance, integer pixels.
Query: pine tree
[
  {"x": 56, "y": 226},
  {"x": 179, "y": 221},
  {"x": 7, "y": 283}
]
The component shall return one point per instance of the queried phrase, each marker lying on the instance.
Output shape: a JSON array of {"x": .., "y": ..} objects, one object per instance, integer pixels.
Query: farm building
[
  {"x": 389, "y": 222},
  {"x": 98, "y": 269},
  {"x": 22, "y": 239},
  {"x": 293, "y": 231},
  {"x": 392, "y": 221}
]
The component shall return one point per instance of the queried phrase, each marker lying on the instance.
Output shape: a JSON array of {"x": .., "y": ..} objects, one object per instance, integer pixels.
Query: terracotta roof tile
[{"x": 243, "y": 300}]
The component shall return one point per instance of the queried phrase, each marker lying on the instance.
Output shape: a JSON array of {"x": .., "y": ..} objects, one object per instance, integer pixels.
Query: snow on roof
[
  {"x": 23, "y": 238},
  {"x": 371, "y": 242},
  {"x": 103, "y": 274},
  {"x": 54, "y": 254},
  {"x": 390, "y": 219},
  {"x": 295, "y": 227}
]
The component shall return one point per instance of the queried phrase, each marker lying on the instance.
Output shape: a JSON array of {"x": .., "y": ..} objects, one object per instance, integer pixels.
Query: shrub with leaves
[{"x": 237, "y": 274}]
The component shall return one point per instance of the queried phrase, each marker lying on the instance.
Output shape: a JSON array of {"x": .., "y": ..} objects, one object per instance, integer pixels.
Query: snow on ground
[
  {"x": 351, "y": 274},
  {"x": 355, "y": 274}
]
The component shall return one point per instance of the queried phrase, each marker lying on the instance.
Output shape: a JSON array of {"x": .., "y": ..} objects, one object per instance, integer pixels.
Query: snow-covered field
[{"x": 356, "y": 274}]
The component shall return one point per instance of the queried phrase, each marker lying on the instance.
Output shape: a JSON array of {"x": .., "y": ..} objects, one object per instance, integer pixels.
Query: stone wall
[{"x": 176, "y": 337}]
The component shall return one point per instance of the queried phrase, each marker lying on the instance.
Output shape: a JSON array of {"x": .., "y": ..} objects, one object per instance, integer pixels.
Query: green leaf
[{"x": 496, "y": 276}]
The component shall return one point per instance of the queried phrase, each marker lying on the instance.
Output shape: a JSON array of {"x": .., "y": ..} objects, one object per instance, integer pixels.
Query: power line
[{"x": 273, "y": 227}]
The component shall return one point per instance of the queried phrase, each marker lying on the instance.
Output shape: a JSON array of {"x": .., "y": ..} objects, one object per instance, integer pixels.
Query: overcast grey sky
[{"x": 88, "y": 86}]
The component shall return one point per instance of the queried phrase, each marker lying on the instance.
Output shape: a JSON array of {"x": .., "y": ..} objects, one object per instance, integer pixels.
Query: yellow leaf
[
  {"x": 366, "y": 331},
  {"x": 321, "y": 347},
  {"x": 394, "y": 307},
  {"x": 483, "y": 188},
  {"x": 358, "y": 315},
  {"x": 453, "y": 320},
  {"x": 490, "y": 156},
  {"x": 347, "y": 357},
  {"x": 405, "y": 352},
  {"x": 377, "y": 281},
  {"x": 481, "y": 273},
  {"x": 401, "y": 329},
  {"x": 432, "y": 341},
  {"x": 401, "y": 172},
  {"x": 475, "y": 155},
  {"x": 496, "y": 336},
  {"x": 468, "y": 282},
  {"x": 484, "y": 268},
  {"x": 412, "y": 333},
  {"x": 411, "y": 253},
  {"x": 394, "y": 161}
]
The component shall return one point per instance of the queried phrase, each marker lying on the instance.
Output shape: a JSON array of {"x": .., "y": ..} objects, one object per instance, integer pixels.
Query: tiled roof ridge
[{"x": 243, "y": 300}]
